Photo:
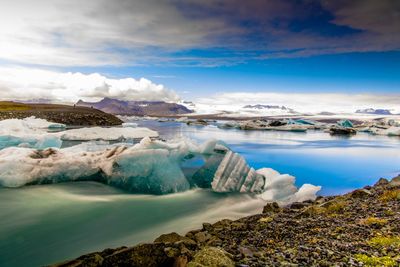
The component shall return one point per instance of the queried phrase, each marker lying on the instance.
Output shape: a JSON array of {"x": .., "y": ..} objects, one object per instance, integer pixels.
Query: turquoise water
[
  {"x": 50, "y": 223},
  {"x": 337, "y": 163}
]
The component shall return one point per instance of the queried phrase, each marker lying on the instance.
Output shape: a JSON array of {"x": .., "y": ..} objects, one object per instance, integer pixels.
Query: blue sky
[
  {"x": 197, "y": 48},
  {"x": 351, "y": 72}
]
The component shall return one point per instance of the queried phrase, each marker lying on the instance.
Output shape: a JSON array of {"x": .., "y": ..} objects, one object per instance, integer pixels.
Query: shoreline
[{"x": 359, "y": 228}]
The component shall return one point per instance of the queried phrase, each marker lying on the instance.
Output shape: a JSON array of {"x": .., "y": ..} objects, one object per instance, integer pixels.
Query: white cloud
[
  {"x": 101, "y": 32},
  {"x": 130, "y": 32},
  {"x": 25, "y": 83},
  {"x": 303, "y": 102}
]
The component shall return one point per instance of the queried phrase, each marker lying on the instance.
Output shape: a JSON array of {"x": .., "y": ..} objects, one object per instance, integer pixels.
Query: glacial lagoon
[{"x": 43, "y": 224}]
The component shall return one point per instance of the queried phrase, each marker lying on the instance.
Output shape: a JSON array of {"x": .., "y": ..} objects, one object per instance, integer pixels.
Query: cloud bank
[
  {"x": 27, "y": 84},
  {"x": 302, "y": 102}
]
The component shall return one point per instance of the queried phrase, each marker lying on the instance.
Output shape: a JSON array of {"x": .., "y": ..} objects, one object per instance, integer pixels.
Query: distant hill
[
  {"x": 136, "y": 108},
  {"x": 69, "y": 115},
  {"x": 374, "y": 111}
]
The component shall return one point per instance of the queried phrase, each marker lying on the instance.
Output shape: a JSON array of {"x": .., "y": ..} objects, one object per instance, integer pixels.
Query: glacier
[{"x": 150, "y": 166}]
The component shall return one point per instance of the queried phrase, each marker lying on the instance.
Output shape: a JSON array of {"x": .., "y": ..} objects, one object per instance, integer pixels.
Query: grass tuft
[{"x": 12, "y": 106}]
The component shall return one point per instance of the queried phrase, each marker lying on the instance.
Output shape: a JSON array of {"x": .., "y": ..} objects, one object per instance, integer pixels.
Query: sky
[{"x": 202, "y": 50}]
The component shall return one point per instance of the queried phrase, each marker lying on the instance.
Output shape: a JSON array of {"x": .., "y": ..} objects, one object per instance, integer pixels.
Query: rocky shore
[
  {"x": 69, "y": 115},
  {"x": 360, "y": 228}
]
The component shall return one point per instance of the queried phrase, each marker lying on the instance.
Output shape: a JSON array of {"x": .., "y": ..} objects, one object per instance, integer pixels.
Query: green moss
[
  {"x": 373, "y": 221},
  {"x": 390, "y": 195},
  {"x": 373, "y": 261},
  {"x": 336, "y": 207},
  {"x": 332, "y": 208},
  {"x": 211, "y": 256},
  {"x": 382, "y": 241},
  {"x": 265, "y": 219}
]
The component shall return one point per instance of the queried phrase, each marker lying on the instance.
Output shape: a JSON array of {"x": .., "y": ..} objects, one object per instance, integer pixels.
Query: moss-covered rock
[{"x": 212, "y": 257}]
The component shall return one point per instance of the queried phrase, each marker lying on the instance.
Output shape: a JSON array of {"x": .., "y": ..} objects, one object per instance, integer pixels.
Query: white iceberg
[
  {"x": 107, "y": 134},
  {"x": 38, "y": 133},
  {"x": 29, "y": 132},
  {"x": 130, "y": 124},
  {"x": 391, "y": 131},
  {"x": 30, "y": 126},
  {"x": 234, "y": 175}
]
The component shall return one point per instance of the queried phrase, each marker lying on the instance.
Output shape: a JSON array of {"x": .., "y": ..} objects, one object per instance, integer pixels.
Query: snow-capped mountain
[
  {"x": 238, "y": 110},
  {"x": 270, "y": 107},
  {"x": 374, "y": 111}
]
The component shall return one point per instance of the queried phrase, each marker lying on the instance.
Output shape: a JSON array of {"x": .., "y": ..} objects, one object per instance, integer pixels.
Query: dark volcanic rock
[
  {"x": 271, "y": 207},
  {"x": 69, "y": 115},
  {"x": 349, "y": 230},
  {"x": 342, "y": 131},
  {"x": 360, "y": 193}
]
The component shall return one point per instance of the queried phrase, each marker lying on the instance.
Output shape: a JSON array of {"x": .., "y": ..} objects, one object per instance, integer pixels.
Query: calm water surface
[{"x": 50, "y": 223}]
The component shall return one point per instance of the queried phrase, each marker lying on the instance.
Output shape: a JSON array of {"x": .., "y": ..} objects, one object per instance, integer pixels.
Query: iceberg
[
  {"x": 133, "y": 169},
  {"x": 234, "y": 175},
  {"x": 391, "y": 131},
  {"x": 107, "y": 134},
  {"x": 345, "y": 124},
  {"x": 129, "y": 124},
  {"x": 29, "y": 132},
  {"x": 151, "y": 167},
  {"x": 41, "y": 134},
  {"x": 30, "y": 126}
]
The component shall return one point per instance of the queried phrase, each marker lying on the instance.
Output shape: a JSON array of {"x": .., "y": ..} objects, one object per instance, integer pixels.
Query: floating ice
[
  {"x": 38, "y": 133},
  {"x": 28, "y": 132},
  {"x": 131, "y": 168},
  {"x": 234, "y": 175},
  {"x": 26, "y": 127},
  {"x": 129, "y": 124},
  {"x": 345, "y": 123},
  {"x": 151, "y": 166},
  {"x": 281, "y": 187},
  {"x": 108, "y": 134},
  {"x": 391, "y": 131}
]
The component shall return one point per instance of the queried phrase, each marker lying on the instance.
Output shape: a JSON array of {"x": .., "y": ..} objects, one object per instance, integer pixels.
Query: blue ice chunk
[{"x": 345, "y": 123}]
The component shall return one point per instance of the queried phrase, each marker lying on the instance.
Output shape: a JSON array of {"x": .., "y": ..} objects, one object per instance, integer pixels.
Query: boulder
[
  {"x": 299, "y": 205},
  {"x": 381, "y": 182},
  {"x": 360, "y": 193},
  {"x": 342, "y": 131},
  {"x": 173, "y": 238},
  {"x": 271, "y": 207},
  {"x": 212, "y": 256},
  {"x": 395, "y": 182}
]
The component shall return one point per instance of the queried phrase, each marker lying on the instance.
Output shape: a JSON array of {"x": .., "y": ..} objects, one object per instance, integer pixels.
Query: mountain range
[
  {"x": 269, "y": 107},
  {"x": 374, "y": 111},
  {"x": 136, "y": 108}
]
